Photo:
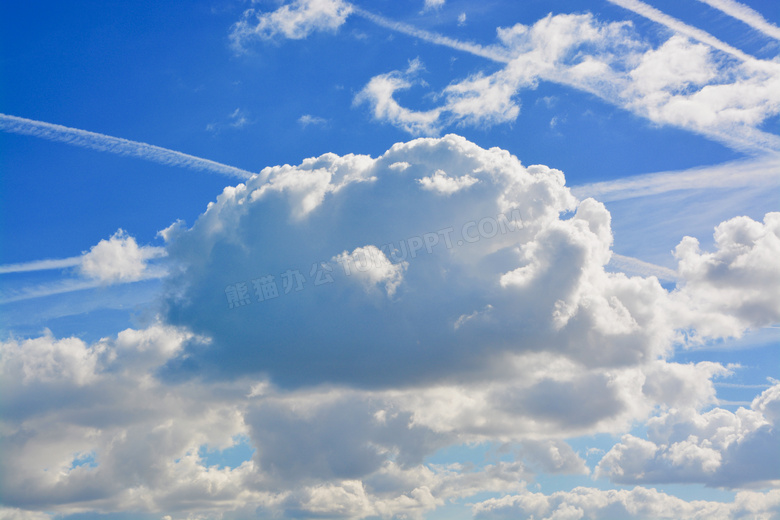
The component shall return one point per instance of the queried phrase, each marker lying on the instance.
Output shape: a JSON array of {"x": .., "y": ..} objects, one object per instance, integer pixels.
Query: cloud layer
[{"x": 467, "y": 305}]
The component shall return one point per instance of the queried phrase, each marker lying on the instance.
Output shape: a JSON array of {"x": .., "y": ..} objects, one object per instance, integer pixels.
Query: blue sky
[{"x": 424, "y": 259}]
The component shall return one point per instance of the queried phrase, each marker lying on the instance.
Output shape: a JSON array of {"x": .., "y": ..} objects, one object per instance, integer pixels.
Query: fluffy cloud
[
  {"x": 737, "y": 282},
  {"x": 638, "y": 503},
  {"x": 718, "y": 448},
  {"x": 469, "y": 276},
  {"x": 118, "y": 259},
  {"x": 88, "y": 426},
  {"x": 433, "y": 4},
  {"x": 295, "y": 21},
  {"x": 442, "y": 183},
  {"x": 92, "y": 427},
  {"x": 378, "y": 93}
]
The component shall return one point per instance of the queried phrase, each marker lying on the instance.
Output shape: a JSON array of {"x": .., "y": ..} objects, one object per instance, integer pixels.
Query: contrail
[
  {"x": 651, "y": 13},
  {"x": 438, "y": 39},
  {"x": 633, "y": 265},
  {"x": 117, "y": 145},
  {"x": 747, "y": 15},
  {"x": 71, "y": 285},
  {"x": 41, "y": 265}
]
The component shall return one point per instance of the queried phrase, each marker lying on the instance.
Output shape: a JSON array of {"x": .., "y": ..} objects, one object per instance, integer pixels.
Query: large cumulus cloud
[{"x": 437, "y": 260}]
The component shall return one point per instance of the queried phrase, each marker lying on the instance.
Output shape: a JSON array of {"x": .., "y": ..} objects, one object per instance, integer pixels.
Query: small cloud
[
  {"x": 118, "y": 259},
  {"x": 462, "y": 19},
  {"x": 308, "y": 119},
  {"x": 441, "y": 183},
  {"x": 236, "y": 119},
  {"x": 556, "y": 122},
  {"x": 431, "y": 5},
  {"x": 293, "y": 21}
]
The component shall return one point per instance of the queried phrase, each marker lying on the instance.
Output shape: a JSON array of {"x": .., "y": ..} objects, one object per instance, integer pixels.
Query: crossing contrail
[
  {"x": 651, "y": 13},
  {"x": 746, "y": 15},
  {"x": 116, "y": 145}
]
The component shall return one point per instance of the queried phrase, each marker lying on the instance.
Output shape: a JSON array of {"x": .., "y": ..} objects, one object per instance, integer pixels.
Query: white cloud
[
  {"x": 379, "y": 94},
  {"x": 237, "y": 119},
  {"x": 735, "y": 284},
  {"x": 433, "y": 4},
  {"x": 118, "y": 259},
  {"x": 637, "y": 504},
  {"x": 370, "y": 265},
  {"x": 553, "y": 456},
  {"x": 295, "y": 21},
  {"x": 90, "y": 427},
  {"x": 440, "y": 182},
  {"x": 308, "y": 119},
  {"x": 117, "y": 437},
  {"x": 7, "y": 513},
  {"x": 717, "y": 448}
]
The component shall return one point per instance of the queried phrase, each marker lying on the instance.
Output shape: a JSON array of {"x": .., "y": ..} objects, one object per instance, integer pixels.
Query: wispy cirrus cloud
[
  {"x": 115, "y": 145},
  {"x": 760, "y": 172},
  {"x": 310, "y": 120}
]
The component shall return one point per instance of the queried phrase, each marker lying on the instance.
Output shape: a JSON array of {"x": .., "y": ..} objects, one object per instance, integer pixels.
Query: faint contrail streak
[
  {"x": 747, "y": 15},
  {"x": 633, "y": 265},
  {"x": 41, "y": 265},
  {"x": 438, "y": 39},
  {"x": 651, "y": 13},
  {"x": 117, "y": 145}
]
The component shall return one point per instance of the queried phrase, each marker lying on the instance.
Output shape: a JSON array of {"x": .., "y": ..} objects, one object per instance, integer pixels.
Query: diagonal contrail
[
  {"x": 651, "y": 13},
  {"x": 746, "y": 14},
  {"x": 41, "y": 265},
  {"x": 491, "y": 53},
  {"x": 117, "y": 145}
]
